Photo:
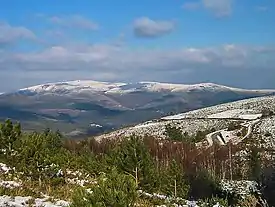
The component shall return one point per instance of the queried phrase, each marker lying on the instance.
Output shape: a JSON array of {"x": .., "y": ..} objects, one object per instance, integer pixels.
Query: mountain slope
[
  {"x": 255, "y": 115},
  {"x": 91, "y": 107}
]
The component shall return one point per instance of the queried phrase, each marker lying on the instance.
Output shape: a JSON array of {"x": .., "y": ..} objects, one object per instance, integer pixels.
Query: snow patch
[
  {"x": 95, "y": 125},
  {"x": 145, "y": 125},
  {"x": 235, "y": 114},
  {"x": 9, "y": 184},
  {"x": 4, "y": 168},
  {"x": 19, "y": 201}
]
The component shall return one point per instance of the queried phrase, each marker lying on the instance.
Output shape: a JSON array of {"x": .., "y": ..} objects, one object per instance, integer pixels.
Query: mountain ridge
[
  {"x": 76, "y": 107},
  {"x": 119, "y": 87}
]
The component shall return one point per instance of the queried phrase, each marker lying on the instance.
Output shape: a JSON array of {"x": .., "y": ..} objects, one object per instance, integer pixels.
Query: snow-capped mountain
[
  {"x": 107, "y": 87},
  {"x": 71, "y": 106}
]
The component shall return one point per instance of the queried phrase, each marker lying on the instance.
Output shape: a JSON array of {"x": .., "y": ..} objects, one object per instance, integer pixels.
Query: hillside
[
  {"x": 81, "y": 108},
  {"x": 255, "y": 115}
]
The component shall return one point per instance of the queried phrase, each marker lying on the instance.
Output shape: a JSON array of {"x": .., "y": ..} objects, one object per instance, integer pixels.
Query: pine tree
[
  {"x": 173, "y": 181},
  {"x": 133, "y": 157},
  {"x": 9, "y": 134}
]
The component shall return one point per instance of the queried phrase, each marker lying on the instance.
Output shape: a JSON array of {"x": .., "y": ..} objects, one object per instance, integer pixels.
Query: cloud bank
[{"x": 242, "y": 66}]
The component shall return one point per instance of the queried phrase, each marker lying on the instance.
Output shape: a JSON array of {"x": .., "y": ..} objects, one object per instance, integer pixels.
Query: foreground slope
[{"x": 78, "y": 108}]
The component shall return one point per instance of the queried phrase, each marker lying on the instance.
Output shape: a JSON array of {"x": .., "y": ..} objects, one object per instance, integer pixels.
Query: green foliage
[
  {"x": 203, "y": 185},
  {"x": 173, "y": 182},
  {"x": 36, "y": 153},
  {"x": 9, "y": 133},
  {"x": 119, "y": 168},
  {"x": 255, "y": 164},
  {"x": 133, "y": 157},
  {"x": 113, "y": 189},
  {"x": 174, "y": 133}
]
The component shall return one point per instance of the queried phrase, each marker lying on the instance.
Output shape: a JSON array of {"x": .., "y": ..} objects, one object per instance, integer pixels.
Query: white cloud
[
  {"x": 236, "y": 65},
  {"x": 75, "y": 21},
  {"x": 191, "y": 5},
  {"x": 145, "y": 27},
  {"x": 10, "y": 34},
  {"x": 219, "y": 7}
]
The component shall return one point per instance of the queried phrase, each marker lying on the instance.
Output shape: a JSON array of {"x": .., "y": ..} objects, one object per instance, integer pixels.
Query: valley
[
  {"x": 214, "y": 152},
  {"x": 83, "y": 108}
]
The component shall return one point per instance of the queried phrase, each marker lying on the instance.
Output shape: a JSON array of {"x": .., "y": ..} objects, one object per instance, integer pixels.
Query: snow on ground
[
  {"x": 248, "y": 112},
  {"x": 242, "y": 187},
  {"x": 228, "y": 114},
  {"x": 9, "y": 184},
  {"x": 235, "y": 114},
  {"x": 250, "y": 116},
  {"x": 4, "y": 169},
  {"x": 145, "y": 125},
  {"x": 157, "y": 129},
  {"x": 247, "y": 106},
  {"x": 95, "y": 125},
  {"x": 172, "y": 201},
  {"x": 19, "y": 201}
]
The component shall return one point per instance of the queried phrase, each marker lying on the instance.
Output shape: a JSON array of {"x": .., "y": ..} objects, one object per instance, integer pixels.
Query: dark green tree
[
  {"x": 174, "y": 133},
  {"x": 173, "y": 182},
  {"x": 133, "y": 157},
  {"x": 9, "y": 134}
]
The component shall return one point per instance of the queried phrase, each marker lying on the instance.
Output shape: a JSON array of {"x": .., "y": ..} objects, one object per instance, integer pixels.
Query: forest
[{"x": 128, "y": 172}]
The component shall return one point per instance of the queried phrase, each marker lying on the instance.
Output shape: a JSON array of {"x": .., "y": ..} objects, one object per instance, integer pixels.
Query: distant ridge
[
  {"x": 77, "y": 107},
  {"x": 110, "y": 87}
]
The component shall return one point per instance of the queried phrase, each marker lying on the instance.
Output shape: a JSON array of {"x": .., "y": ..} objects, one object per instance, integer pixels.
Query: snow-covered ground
[
  {"x": 247, "y": 112},
  {"x": 157, "y": 129},
  {"x": 253, "y": 106},
  {"x": 19, "y": 201}
]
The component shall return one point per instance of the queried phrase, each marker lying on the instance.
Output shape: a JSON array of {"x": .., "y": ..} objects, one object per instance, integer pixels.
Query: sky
[{"x": 229, "y": 42}]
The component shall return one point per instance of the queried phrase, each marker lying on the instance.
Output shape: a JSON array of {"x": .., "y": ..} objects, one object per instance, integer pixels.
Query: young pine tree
[
  {"x": 133, "y": 157},
  {"x": 113, "y": 189},
  {"x": 173, "y": 181}
]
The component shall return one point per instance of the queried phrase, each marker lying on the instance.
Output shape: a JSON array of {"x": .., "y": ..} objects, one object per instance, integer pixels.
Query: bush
[
  {"x": 203, "y": 185},
  {"x": 113, "y": 189},
  {"x": 267, "y": 112},
  {"x": 233, "y": 126},
  {"x": 174, "y": 133}
]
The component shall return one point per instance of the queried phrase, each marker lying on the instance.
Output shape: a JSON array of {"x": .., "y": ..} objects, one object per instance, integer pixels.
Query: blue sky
[{"x": 229, "y": 42}]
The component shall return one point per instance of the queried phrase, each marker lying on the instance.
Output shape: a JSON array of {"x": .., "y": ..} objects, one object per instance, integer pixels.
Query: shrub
[
  {"x": 174, "y": 133},
  {"x": 113, "y": 189},
  {"x": 203, "y": 185}
]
